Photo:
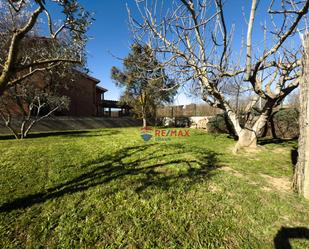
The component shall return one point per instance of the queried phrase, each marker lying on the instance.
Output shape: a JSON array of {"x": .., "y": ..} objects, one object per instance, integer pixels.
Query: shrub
[
  {"x": 282, "y": 124},
  {"x": 221, "y": 124},
  {"x": 285, "y": 122}
]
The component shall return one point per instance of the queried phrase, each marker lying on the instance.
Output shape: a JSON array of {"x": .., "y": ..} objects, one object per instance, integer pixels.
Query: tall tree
[
  {"x": 145, "y": 83},
  {"x": 20, "y": 56},
  {"x": 194, "y": 38},
  {"x": 301, "y": 173}
]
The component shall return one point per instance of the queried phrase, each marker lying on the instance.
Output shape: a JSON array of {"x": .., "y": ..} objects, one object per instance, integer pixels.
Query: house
[{"x": 87, "y": 99}]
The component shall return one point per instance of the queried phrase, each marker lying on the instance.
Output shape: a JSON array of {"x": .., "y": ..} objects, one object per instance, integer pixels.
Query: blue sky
[{"x": 110, "y": 36}]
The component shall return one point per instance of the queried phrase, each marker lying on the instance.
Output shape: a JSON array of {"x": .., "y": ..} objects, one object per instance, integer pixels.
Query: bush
[
  {"x": 285, "y": 123},
  {"x": 221, "y": 124}
]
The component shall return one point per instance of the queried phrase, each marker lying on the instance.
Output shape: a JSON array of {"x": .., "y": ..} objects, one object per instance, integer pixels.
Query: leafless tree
[
  {"x": 21, "y": 55},
  {"x": 293, "y": 100},
  {"x": 26, "y": 104},
  {"x": 195, "y": 41}
]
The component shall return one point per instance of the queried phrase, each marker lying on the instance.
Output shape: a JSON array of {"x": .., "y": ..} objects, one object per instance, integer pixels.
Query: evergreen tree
[{"x": 145, "y": 82}]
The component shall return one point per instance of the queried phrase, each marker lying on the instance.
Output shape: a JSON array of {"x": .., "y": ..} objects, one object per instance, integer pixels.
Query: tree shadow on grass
[
  {"x": 150, "y": 162},
  {"x": 264, "y": 141},
  {"x": 282, "y": 238}
]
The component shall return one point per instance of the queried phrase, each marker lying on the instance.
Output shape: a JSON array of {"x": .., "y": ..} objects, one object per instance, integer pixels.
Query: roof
[
  {"x": 89, "y": 77},
  {"x": 101, "y": 88}
]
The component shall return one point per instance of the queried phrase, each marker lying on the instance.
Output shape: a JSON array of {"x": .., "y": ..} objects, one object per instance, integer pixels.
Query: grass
[{"x": 108, "y": 188}]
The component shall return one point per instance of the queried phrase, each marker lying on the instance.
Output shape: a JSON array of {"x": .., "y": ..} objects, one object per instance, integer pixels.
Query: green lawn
[{"x": 109, "y": 189}]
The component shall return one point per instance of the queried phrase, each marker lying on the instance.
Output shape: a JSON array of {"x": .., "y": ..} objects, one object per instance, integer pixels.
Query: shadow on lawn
[
  {"x": 151, "y": 167},
  {"x": 264, "y": 141},
  {"x": 281, "y": 240},
  {"x": 81, "y": 133}
]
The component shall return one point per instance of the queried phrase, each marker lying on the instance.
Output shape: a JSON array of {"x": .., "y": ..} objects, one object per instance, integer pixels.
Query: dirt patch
[
  {"x": 279, "y": 150},
  {"x": 281, "y": 184},
  {"x": 246, "y": 150},
  {"x": 266, "y": 189},
  {"x": 232, "y": 171},
  {"x": 213, "y": 188}
]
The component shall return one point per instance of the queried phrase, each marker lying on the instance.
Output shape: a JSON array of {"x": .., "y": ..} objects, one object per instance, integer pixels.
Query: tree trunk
[
  {"x": 272, "y": 125},
  {"x": 144, "y": 123},
  {"x": 301, "y": 173},
  {"x": 229, "y": 126},
  {"x": 29, "y": 128},
  {"x": 247, "y": 137},
  {"x": 22, "y": 129},
  {"x": 7, "y": 123},
  {"x": 13, "y": 131},
  {"x": 237, "y": 101},
  {"x": 265, "y": 130}
]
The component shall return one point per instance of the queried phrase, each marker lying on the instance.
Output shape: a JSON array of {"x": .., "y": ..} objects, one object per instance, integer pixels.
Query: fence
[{"x": 187, "y": 111}]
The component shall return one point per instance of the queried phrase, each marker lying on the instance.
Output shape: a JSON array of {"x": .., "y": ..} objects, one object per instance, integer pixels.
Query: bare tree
[
  {"x": 21, "y": 57},
  {"x": 26, "y": 104},
  {"x": 293, "y": 100},
  {"x": 195, "y": 41}
]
